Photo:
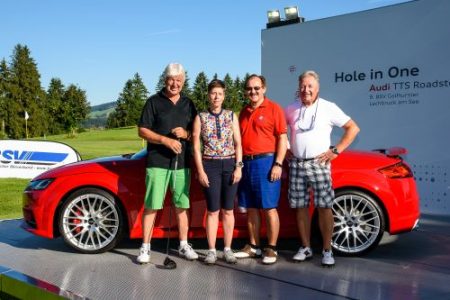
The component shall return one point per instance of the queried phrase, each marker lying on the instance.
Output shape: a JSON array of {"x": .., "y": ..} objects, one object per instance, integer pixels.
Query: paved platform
[{"x": 415, "y": 265}]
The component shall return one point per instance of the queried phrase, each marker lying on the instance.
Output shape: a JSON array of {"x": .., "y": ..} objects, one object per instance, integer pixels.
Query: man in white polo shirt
[{"x": 311, "y": 121}]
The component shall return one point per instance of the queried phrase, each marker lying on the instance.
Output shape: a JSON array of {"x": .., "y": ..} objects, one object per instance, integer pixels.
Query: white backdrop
[{"x": 389, "y": 69}]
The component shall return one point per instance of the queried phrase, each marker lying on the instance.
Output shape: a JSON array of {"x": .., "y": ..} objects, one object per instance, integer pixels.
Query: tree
[
  {"x": 54, "y": 106},
  {"x": 186, "y": 87},
  {"x": 239, "y": 90},
  {"x": 161, "y": 83},
  {"x": 129, "y": 104},
  {"x": 26, "y": 95},
  {"x": 200, "y": 92},
  {"x": 112, "y": 121},
  {"x": 75, "y": 108},
  {"x": 242, "y": 89},
  {"x": 4, "y": 96},
  {"x": 228, "y": 102},
  {"x": 234, "y": 96}
]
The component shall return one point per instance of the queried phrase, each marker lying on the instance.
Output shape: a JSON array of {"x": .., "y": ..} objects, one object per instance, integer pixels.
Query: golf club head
[{"x": 169, "y": 263}]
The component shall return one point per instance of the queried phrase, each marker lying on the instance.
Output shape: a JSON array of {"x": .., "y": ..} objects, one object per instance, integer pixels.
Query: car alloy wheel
[
  {"x": 91, "y": 221},
  {"x": 358, "y": 223}
]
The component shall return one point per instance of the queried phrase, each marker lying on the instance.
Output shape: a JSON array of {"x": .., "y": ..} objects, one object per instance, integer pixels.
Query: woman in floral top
[{"x": 218, "y": 158}]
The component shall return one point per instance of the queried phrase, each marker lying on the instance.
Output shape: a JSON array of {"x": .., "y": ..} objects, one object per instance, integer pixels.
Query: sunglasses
[
  {"x": 249, "y": 88},
  {"x": 310, "y": 127},
  {"x": 313, "y": 120}
]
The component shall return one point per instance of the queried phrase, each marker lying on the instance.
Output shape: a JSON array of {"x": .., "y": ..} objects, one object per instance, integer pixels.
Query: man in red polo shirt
[{"x": 264, "y": 142}]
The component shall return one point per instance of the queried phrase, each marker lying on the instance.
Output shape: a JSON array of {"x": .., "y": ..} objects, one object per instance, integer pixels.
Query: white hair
[
  {"x": 309, "y": 73},
  {"x": 174, "y": 69}
]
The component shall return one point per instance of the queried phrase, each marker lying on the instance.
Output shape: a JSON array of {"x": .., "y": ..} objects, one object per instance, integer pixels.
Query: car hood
[{"x": 97, "y": 165}]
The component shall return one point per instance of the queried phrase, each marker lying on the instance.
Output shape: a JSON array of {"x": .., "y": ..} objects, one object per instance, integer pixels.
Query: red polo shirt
[{"x": 261, "y": 127}]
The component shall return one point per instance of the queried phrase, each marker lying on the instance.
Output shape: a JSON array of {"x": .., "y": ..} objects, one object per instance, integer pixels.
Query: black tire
[
  {"x": 90, "y": 221},
  {"x": 359, "y": 223}
]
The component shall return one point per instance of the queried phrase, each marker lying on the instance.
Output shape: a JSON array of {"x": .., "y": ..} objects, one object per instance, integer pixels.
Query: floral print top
[{"x": 217, "y": 133}]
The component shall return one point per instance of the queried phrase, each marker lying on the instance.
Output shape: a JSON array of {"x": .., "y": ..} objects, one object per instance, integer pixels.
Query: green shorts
[{"x": 157, "y": 180}]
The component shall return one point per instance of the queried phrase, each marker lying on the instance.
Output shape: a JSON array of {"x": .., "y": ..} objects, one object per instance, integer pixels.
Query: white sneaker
[
  {"x": 327, "y": 258},
  {"x": 229, "y": 256},
  {"x": 303, "y": 254},
  {"x": 144, "y": 256},
  {"x": 187, "y": 252},
  {"x": 211, "y": 258}
]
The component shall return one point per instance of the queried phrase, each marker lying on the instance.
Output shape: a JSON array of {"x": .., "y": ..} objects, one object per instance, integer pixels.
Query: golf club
[{"x": 168, "y": 263}]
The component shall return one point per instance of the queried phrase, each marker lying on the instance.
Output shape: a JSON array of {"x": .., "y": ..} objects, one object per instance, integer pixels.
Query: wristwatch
[
  {"x": 334, "y": 150},
  {"x": 278, "y": 164},
  {"x": 239, "y": 164}
]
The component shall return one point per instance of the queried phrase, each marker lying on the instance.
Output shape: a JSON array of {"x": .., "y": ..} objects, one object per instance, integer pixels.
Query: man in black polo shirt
[{"x": 166, "y": 124}]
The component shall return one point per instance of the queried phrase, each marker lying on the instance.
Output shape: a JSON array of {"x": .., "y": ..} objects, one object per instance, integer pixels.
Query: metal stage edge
[{"x": 414, "y": 265}]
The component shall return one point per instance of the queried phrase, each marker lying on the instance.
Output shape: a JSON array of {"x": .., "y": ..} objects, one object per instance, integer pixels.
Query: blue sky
[{"x": 100, "y": 44}]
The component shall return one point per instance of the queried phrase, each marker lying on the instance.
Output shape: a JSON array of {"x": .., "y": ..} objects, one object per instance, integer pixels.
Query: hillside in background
[{"x": 99, "y": 115}]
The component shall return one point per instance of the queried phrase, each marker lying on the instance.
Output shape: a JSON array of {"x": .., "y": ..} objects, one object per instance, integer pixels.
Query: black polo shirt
[{"x": 161, "y": 116}]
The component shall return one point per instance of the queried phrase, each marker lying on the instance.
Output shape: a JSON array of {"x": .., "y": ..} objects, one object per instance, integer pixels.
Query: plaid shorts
[{"x": 310, "y": 173}]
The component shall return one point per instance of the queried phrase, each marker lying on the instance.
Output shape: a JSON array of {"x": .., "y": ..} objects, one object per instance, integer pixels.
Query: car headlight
[{"x": 38, "y": 185}]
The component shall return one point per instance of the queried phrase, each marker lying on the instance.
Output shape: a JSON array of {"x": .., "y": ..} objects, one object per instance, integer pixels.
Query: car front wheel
[
  {"x": 91, "y": 221},
  {"x": 358, "y": 223}
]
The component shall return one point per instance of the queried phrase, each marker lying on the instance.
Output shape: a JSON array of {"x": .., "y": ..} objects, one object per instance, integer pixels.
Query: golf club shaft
[{"x": 174, "y": 178}]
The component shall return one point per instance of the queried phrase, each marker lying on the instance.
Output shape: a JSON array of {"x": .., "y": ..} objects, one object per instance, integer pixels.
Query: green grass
[
  {"x": 90, "y": 144},
  {"x": 97, "y": 143},
  {"x": 11, "y": 197}
]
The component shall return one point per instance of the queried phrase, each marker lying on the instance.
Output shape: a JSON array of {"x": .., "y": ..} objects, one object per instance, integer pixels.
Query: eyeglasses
[
  {"x": 313, "y": 120},
  {"x": 249, "y": 88},
  {"x": 311, "y": 125}
]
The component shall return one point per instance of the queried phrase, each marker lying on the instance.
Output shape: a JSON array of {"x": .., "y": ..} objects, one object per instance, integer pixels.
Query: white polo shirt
[{"x": 310, "y": 127}]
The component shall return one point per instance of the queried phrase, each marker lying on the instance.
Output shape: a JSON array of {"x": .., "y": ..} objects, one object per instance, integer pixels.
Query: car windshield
[{"x": 140, "y": 154}]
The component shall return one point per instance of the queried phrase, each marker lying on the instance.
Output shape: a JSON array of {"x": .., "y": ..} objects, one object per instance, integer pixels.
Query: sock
[
  {"x": 213, "y": 250},
  {"x": 254, "y": 246},
  {"x": 183, "y": 243},
  {"x": 226, "y": 249},
  {"x": 274, "y": 248},
  {"x": 146, "y": 246}
]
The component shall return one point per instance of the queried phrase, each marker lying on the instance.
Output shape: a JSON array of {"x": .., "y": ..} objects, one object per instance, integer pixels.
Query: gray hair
[
  {"x": 174, "y": 69},
  {"x": 309, "y": 73}
]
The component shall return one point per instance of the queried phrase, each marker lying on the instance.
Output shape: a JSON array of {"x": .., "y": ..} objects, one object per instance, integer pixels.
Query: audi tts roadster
[{"x": 93, "y": 204}]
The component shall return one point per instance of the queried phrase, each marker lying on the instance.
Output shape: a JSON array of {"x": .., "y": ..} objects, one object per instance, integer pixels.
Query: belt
[
  {"x": 218, "y": 157},
  {"x": 304, "y": 159},
  {"x": 256, "y": 156}
]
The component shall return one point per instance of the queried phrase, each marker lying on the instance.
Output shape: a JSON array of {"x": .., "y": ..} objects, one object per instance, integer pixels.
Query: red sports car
[{"x": 93, "y": 204}]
